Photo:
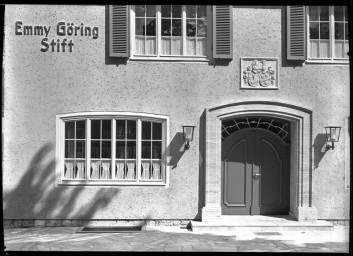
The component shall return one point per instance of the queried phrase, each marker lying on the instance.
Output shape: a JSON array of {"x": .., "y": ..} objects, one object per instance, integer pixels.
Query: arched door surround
[{"x": 300, "y": 119}]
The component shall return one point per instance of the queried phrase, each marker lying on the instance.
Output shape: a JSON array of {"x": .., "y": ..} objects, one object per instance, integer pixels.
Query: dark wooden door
[{"x": 255, "y": 175}]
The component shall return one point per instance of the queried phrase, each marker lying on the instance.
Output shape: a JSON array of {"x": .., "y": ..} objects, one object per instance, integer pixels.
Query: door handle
[{"x": 256, "y": 175}]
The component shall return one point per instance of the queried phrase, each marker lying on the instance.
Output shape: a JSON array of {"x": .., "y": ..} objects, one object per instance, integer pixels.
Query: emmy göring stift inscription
[
  {"x": 65, "y": 30},
  {"x": 259, "y": 73}
]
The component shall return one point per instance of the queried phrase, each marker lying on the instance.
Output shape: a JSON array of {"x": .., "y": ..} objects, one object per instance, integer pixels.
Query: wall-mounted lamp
[
  {"x": 332, "y": 135},
  {"x": 188, "y": 132}
]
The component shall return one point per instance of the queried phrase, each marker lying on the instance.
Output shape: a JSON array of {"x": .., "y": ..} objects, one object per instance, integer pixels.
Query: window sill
[
  {"x": 328, "y": 62},
  {"x": 111, "y": 183},
  {"x": 170, "y": 59}
]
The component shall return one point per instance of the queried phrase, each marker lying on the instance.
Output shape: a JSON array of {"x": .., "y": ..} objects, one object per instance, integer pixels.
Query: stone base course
[
  {"x": 79, "y": 223},
  {"x": 8, "y": 224},
  {"x": 17, "y": 224},
  {"x": 28, "y": 223},
  {"x": 39, "y": 223},
  {"x": 339, "y": 222}
]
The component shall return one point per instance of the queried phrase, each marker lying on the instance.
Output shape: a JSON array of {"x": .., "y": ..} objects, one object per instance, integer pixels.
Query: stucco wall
[{"x": 39, "y": 85}]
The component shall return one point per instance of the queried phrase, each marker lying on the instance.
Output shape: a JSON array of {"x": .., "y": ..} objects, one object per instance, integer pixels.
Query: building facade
[{"x": 96, "y": 97}]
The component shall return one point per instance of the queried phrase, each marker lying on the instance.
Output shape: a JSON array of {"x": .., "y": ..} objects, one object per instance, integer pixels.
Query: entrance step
[{"x": 260, "y": 223}]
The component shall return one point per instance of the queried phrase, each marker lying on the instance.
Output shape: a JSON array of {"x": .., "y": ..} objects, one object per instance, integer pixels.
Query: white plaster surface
[{"x": 38, "y": 86}]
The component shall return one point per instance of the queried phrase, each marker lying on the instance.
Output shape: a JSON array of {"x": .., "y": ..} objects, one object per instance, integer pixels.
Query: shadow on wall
[
  {"x": 319, "y": 148},
  {"x": 36, "y": 197},
  {"x": 202, "y": 157},
  {"x": 109, "y": 60},
  {"x": 219, "y": 62},
  {"x": 176, "y": 149}
]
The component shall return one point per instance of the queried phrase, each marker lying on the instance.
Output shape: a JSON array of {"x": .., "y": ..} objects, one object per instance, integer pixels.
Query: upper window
[
  {"x": 164, "y": 31},
  {"x": 171, "y": 32},
  {"x": 112, "y": 149},
  {"x": 327, "y": 33}
]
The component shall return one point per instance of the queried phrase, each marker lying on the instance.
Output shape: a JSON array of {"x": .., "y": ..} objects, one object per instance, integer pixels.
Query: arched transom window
[{"x": 277, "y": 126}]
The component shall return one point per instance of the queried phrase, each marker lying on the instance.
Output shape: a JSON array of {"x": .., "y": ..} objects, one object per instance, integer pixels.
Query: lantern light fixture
[
  {"x": 332, "y": 135},
  {"x": 188, "y": 132}
]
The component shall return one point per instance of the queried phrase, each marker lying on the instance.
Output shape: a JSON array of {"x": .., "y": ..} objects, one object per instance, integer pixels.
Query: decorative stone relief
[{"x": 259, "y": 73}]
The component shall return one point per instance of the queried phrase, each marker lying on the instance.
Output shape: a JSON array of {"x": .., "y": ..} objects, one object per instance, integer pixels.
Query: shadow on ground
[{"x": 65, "y": 239}]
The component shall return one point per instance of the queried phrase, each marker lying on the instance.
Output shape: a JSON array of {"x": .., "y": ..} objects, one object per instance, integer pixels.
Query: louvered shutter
[
  {"x": 223, "y": 31},
  {"x": 118, "y": 31},
  {"x": 296, "y": 33}
]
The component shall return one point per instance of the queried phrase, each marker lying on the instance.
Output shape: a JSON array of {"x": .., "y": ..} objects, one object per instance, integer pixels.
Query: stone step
[{"x": 259, "y": 223}]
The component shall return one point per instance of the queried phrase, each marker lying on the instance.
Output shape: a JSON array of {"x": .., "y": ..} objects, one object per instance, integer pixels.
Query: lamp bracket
[
  {"x": 330, "y": 146},
  {"x": 187, "y": 145}
]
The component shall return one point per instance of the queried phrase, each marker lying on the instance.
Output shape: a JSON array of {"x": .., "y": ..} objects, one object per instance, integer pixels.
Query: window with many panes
[
  {"x": 112, "y": 149},
  {"x": 327, "y": 33},
  {"x": 170, "y": 31}
]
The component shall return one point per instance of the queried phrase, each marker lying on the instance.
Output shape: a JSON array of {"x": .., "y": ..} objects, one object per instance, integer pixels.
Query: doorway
[
  {"x": 255, "y": 173},
  {"x": 299, "y": 119}
]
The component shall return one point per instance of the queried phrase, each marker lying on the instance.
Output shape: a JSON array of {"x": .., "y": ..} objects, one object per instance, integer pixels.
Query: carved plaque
[{"x": 259, "y": 73}]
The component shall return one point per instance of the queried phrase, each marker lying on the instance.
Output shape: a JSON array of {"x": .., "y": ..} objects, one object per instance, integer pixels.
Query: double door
[{"x": 255, "y": 173}]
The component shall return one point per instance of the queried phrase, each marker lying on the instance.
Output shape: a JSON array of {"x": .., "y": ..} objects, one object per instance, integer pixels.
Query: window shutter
[
  {"x": 296, "y": 33},
  {"x": 118, "y": 31},
  {"x": 223, "y": 31}
]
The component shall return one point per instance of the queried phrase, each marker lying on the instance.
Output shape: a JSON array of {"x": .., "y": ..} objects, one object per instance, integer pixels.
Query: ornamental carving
[{"x": 259, "y": 73}]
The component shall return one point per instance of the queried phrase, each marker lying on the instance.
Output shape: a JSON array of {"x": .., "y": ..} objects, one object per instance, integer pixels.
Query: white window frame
[
  {"x": 158, "y": 35},
  {"x": 88, "y": 116},
  {"x": 331, "y": 60}
]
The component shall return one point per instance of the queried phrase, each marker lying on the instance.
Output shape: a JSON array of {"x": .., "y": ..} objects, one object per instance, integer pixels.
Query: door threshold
[{"x": 256, "y": 218}]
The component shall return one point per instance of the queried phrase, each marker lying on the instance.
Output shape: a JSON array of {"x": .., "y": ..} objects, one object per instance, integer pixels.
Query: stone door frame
[{"x": 300, "y": 119}]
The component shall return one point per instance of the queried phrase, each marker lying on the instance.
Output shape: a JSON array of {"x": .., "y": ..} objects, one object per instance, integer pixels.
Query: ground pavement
[{"x": 176, "y": 239}]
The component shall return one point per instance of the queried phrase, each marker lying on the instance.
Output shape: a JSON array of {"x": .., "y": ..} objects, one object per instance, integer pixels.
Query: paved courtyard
[{"x": 176, "y": 239}]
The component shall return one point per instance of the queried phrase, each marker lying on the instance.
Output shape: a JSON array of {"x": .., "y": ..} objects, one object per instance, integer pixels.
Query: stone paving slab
[{"x": 176, "y": 239}]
